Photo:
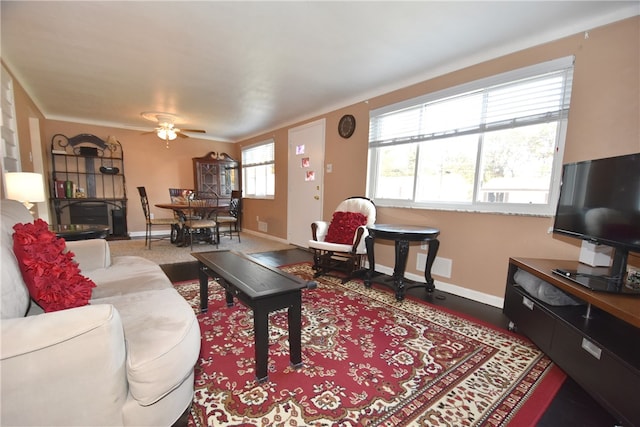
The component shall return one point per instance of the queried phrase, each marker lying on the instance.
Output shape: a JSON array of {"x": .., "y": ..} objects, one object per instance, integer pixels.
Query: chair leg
[
  {"x": 147, "y": 236},
  {"x": 316, "y": 259},
  {"x": 233, "y": 228}
]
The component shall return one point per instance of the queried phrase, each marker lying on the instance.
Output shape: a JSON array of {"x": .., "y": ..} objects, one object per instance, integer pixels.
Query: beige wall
[{"x": 603, "y": 122}]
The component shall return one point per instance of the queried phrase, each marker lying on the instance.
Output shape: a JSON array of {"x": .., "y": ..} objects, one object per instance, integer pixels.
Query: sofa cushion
[
  {"x": 127, "y": 274},
  {"x": 163, "y": 341},
  {"x": 53, "y": 279},
  {"x": 14, "y": 299},
  {"x": 343, "y": 226}
]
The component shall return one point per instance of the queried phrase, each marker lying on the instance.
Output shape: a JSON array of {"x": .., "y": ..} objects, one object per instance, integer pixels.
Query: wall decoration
[
  {"x": 299, "y": 149},
  {"x": 306, "y": 162},
  {"x": 310, "y": 176}
]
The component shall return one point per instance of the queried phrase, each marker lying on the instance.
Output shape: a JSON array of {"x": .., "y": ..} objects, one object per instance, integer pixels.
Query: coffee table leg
[
  {"x": 261, "y": 331},
  {"x": 295, "y": 332},
  {"x": 204, "y": 288}
]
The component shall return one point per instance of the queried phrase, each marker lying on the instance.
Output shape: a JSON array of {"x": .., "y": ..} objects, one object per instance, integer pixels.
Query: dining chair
[
  {"x": 200, "y": 219},
  {"x": 151, "y": 222},
  {"x": 181, "y": 196},
  {"x": 231, "y": 217}
]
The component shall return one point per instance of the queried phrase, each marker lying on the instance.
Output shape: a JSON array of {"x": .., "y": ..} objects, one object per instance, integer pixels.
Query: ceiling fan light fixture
[
  {"x": 167, "y": 130},
  {"x": 167, "y": 134}
]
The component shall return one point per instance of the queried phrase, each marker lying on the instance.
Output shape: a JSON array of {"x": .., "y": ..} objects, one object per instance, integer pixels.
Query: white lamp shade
[
  {"x": 165, "y": 134},
  {"x": 24, "y": 186}
]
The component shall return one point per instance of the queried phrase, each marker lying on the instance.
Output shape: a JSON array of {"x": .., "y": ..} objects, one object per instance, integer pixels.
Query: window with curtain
[
  {"x": 258, "y": 170},
  {"x": 493, "y": 145}
]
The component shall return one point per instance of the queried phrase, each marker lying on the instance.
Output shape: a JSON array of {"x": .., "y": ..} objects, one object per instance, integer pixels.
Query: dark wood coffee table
[{"x": 263, "y": 289}]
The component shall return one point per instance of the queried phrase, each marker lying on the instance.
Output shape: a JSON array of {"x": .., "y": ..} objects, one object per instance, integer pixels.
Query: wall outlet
[
  {"x": 152, "y": 215},
  {"x": 262, "y": 226}
]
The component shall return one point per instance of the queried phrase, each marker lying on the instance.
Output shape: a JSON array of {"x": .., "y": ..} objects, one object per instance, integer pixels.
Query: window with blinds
[
  {"x": 258, "y": 170},
  {"x": 493, "y": 145}
]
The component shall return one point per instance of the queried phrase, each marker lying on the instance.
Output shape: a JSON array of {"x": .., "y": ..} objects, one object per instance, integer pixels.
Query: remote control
[{"x": 562, "y": 272}]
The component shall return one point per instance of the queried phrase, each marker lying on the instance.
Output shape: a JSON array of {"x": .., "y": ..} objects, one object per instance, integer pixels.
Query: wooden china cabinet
[{"x": 216, "y": 173}]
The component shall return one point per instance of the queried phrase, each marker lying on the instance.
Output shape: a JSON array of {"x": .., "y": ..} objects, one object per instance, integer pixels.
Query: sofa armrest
[
  {"x": 65, "y": 367},
  {"x": 91, "y": 254}
]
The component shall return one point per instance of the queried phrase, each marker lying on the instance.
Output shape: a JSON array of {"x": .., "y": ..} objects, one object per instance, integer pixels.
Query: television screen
[{"x": 600, "y": 201}]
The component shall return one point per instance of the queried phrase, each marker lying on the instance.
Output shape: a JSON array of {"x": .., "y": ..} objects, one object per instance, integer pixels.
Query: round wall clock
[{"x": 347, "y": 126}]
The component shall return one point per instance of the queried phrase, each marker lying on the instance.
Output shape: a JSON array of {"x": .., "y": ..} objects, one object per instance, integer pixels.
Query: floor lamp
[{"x": 25, "y": 187}]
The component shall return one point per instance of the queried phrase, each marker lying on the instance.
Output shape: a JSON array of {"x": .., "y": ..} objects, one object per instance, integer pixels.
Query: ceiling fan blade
[
  {"x": 193, "y": 130},
  {"x": 182, "y": 135}
]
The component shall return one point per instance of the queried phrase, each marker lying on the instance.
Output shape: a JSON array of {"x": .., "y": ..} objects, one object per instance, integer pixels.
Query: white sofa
[{"x": 127, "y": 358}]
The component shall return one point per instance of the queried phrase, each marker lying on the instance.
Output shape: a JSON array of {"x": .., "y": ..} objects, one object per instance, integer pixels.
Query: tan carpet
[{"x": 163, "y": 252}]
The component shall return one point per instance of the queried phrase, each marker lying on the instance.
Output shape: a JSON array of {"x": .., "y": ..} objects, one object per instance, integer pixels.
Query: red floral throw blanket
[{"x": 52, "y": 277}]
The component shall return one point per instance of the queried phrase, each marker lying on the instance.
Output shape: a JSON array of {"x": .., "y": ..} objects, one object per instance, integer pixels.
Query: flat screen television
[{"x": 600, "y": 202}]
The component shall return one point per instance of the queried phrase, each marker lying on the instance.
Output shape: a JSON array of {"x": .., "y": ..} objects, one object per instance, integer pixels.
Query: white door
[{"x": 306, "y": 178}]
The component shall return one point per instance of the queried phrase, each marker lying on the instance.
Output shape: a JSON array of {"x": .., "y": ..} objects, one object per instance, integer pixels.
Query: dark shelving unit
[{"x": 88, "y": 182}]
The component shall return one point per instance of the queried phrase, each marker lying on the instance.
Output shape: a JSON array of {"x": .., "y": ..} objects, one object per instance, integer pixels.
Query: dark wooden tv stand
[{"x": 597, "y": 344}]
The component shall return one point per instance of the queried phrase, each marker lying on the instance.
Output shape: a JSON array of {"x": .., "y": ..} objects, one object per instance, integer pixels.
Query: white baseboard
[
  {"x": 452, "y": 289},
  {"x": 266, "y": 236},
  {"x": 154, "y": 234}
]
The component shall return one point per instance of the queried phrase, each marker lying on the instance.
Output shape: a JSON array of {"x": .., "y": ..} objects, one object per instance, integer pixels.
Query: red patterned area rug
[{"x": 368, "y": 361}]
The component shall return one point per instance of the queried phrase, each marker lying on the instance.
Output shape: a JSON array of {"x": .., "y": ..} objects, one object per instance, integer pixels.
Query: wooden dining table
[{"x": 186, "y": 210}]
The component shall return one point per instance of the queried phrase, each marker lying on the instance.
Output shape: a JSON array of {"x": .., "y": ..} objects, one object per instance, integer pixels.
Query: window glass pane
[
  {"x": 446, "y": 170},
  {"x": 259, "y": 181},
  {"x": 248, "y": 181},
  {"x": 270, "y": 180},
  {"x": 517, "y": 164},
  {"x": 396, "y": 167}
]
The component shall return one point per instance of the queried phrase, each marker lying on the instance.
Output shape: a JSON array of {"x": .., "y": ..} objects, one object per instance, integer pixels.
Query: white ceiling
[{"x": 242, "y": 68}]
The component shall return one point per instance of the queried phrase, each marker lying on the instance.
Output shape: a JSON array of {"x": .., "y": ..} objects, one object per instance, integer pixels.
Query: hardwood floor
[{"x": 572, "y": 406}]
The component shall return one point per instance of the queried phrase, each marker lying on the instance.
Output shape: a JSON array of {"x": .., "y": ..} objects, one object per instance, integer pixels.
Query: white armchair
[{"x": 339, "y": 245}]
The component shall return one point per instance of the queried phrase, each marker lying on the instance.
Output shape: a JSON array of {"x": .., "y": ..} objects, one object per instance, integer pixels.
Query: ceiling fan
[{"x": 167, "y": 130}]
